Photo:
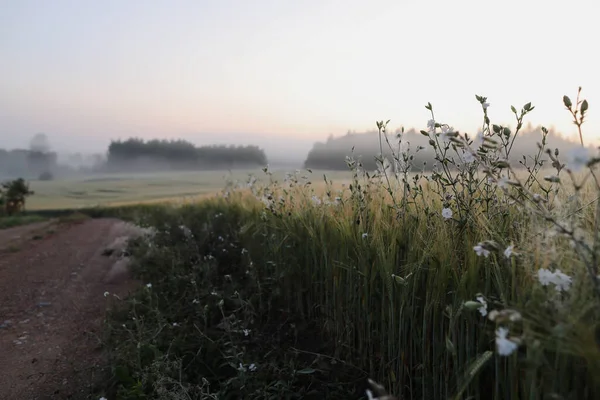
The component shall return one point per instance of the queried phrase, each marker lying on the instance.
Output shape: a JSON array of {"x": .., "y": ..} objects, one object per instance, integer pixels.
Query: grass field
[{"x": 121, "y": 189}]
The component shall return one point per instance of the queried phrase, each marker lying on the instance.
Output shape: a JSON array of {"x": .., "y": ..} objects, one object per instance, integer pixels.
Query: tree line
[
  {"x": 180, "y": 154},
  {"x": 331, "y": 155}
]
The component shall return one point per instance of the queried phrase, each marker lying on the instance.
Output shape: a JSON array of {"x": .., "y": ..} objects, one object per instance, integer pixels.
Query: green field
[{"x": 119, "y": 189}]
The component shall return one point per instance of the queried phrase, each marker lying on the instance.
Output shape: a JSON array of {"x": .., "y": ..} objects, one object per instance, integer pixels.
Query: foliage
[
  {"x": 475, "y": 281},
  {"x": 181, "y": 154},
  {"x": 13, "y": 194}
]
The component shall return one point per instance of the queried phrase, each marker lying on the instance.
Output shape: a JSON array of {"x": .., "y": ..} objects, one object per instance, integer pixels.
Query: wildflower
[
  {"x": 431, "y": 125},
  {"x": 148, "y": 285},
  {"x": 175, "y": 324},
  {"x": 447, "y": 213},
  {"x": 578, "y": 158},
  {"x": 214, "y": 293},
  {"x": 468, "y": 157},
  {"x": 106, "y": 294},
  {"x": 365, "y": 235},
  {"x": 515, "y": 316},
  {"x": 480, "y": 250},
  {"x": 446, "y": 133},
  {"x": 186, "y": 231},
  {"x": 561, "y": 281},
  {"x": 509, "y": 251},
  {"x": 545, "y": 276},
  {"x": 503, "y": 183},
  {"x": 316, "y": 200},
  {"x": 486, "y": 105},
  {"x": 247, "y": 332},
  {"x": 478, "y": 142},
  {"x": 227, "y": 277},
  {"x": 252, "y": 367},
  {"x": 505, "y": 346},
  {"x": 503, "y": 315},
  {"x": 483, "y": 309},
  {"x": 195, "y": 301}
]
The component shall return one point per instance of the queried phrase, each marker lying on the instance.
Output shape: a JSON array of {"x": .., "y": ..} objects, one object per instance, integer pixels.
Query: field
[
  {"x": 472, "y": 281},
  {"x": 121, "y": 189}
]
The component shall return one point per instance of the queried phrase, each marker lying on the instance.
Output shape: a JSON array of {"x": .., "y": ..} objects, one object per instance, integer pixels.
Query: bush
[{"x": 14, "y": 194}]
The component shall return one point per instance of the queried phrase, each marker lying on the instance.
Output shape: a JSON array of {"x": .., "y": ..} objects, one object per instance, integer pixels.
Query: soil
[{"x": 53, "y": 277}]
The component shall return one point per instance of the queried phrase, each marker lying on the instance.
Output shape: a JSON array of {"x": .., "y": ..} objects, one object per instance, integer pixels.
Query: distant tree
[
  {"x": 180, "y": 154},
  {"x": 40, "y": 143},
  {"x": 14, "y": 194}
]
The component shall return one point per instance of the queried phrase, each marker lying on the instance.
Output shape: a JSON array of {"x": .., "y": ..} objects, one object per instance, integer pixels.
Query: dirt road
[{"x": 52, "y": 280}]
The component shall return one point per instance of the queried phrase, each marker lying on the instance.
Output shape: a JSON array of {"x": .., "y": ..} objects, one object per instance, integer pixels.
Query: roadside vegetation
[
  {"x": 476, "y": 279},
  {"x": 13, "y": 195}
]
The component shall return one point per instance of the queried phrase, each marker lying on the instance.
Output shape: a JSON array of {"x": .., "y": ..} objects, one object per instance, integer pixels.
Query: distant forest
[
  {"x": 331, "y": 155},
  {"x": 39, "y": 161},
  {"x": 138, "y": 154}
]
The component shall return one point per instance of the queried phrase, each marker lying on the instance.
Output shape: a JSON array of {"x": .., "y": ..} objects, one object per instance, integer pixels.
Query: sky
[{"x": 283, "y": 74}]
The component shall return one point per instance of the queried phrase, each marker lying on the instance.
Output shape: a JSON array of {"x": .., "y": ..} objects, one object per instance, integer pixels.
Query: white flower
[
  {"x": 468, "y": 157},
  {"x": 447, "y": 213},
  {"x": 247, "y": 332},
  {"x": 364, "y": 235},
  {"x": 186, "y": 231},
  {"x": 252, "y": 367},
  {"x": 562, "y": 281},
  {"x": 478, "y": 141},
  {"x": 102, "y": 398},
  {"x": 578, "y": 158},
  {"x": 316, "y": 200},
  {"x": 486, "y": 105},
  {"x": 175, "y": 324},
  {"x": 503, "y": 183},
  {"x": 195, "y": 301},
  {"x": 482, "y": 310},
  {"x": 509, "y": 251},
  {"x": 445, "y": 135},
  {"x": 431, "y": 125},
  {"x": 106, "y": 294},
  {"x": 505, "y": 346},
  {"x": 545, "y": 276},
  {"x": 148, "y": 285},
  {"x": 480, "y": 250}
]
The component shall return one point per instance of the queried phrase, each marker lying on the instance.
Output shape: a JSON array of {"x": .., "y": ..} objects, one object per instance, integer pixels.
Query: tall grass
[{"x": 430, "y": 285}]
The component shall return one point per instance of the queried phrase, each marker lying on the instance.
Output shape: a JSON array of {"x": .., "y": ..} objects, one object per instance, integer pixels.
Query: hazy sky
[{"x": 265, "y": 71}]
